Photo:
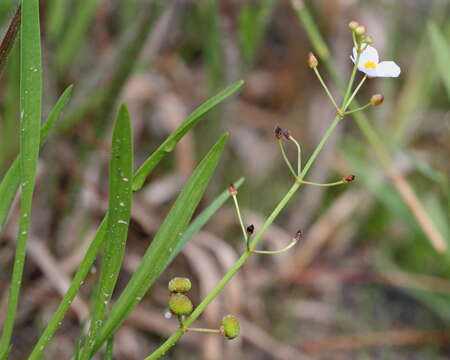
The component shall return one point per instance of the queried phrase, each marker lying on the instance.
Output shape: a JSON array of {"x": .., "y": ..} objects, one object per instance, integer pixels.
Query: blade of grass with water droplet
[
  {"x": 169, "y": 235},
  {"x": 11, "y": 180},
  {"x": 120, "y": 175},
  {"x": 30, "y": 105},
  {"x": 97, "y": 242},
  {"x": 168, "y": 145}
]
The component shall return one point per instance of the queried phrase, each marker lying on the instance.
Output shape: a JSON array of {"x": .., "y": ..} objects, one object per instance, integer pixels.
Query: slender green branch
[
  {"x": 352, "y": 78},
  {"x": 299, "y": 155},
  {"x": 349, "y": 101},
  {"x": 364, "y": 107},
  {"x": 241, "y": 222},
  {"x": 286, "y": 159},
  {"x": 200, "y": 330},
  {"x": 323, "y": 185},
  {"x": 273, "y": 252},
  {"x": 325, "y": 87}
]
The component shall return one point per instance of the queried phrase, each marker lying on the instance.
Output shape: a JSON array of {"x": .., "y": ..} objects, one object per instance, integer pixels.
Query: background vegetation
[{"x": 365, "y": 281}]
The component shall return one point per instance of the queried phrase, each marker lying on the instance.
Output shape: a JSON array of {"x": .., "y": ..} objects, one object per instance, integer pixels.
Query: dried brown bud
[
  {"x": 312, "y": 61},
  {"x": 250, "y": 229},
  {"x": 298, "y": 235},
  {"x": 352, "y": 25},
  {"x": 287, "y": 134},
  {"x": 348, "y": 178},
  {"x": 232, "y": 190},
  {"x": 278, "y": 132},
  {"x": 360, "y": 30},
  {"x": 376, "y": 99}
]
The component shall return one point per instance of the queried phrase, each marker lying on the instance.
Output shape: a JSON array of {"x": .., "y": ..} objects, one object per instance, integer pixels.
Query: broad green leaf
[
  {"x": 11, "y": 180},
  {"x": 30, "y": 114},
  {"x": 165, "y": 242},
  {"x": 168, "y": 145},
  {"x": 120, "y": 175},
  {"x": 441, "y": 52}
]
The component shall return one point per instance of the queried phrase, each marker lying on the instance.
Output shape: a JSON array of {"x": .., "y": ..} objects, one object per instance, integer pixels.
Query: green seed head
[
  {"x": 180, "y": 304},
  {"x": 230, "y": 327},
  {"x": 179, "y": 285}
]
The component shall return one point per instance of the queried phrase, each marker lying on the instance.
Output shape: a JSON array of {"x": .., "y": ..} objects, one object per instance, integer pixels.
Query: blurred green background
[{"x": 365, "y": 283}]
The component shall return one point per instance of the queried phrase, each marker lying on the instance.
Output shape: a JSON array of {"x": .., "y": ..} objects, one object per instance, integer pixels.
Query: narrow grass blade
[
  {"x": 120, "y": 175},
  {"x": 9, "y": 38},
  {"x": 74, "y": 35},
  {"x": 168, "y": 145},
  {"x": 164, "y": 243},
  {"x": 30, "y": 105},
  {"x": 441, "y": 51},
  {"x": 202, "y": 219},
  {"x": 11, "y": 180},
  {"x": 96, "y": 245}
]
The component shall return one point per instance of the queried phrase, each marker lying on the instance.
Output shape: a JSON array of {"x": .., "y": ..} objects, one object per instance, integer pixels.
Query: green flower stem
[
  {"x": 286, "y": 160},
  {"x": 349, "y": 101},
  {"x": 358, "y": 109},
  {"x": 325, "y": 87},
  {"x": 200, "y": 330},
  {"x": 323, "y": 185},
  {"x": 171, "y": 341},
  {"x": 238, "y": 212},
  {"x": 274, "y": 252},
  {"x": 299, "y": 155}
]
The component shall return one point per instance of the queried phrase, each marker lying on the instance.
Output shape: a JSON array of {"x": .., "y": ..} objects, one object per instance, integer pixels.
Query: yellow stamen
[{"x": 370, "y": 65}]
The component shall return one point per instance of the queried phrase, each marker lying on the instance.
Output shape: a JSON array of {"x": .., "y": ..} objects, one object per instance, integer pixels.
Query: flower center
[{"x": 370, "y": 65}]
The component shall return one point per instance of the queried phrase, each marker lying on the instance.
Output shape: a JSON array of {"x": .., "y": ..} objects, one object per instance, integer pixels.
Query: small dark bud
[
  {"x": 232, "y": 190},
  {"x": 230, "y": 327},
  {"x": 180, "y": 304},
  {"x": 278, "y": 132},
  {"x": 376, "y": 99},
  {"x": 360, "y": 30},
  {"x": 348, "y": 178},
  {"x": 312, "y": 61},
  {"x": 298, "y": 235},
  {"x": 287, "y": 134},
  {"x": 352, "y": 25},
  {"x": 250, "y": 229},
  {"x": 179, "y": 285}
]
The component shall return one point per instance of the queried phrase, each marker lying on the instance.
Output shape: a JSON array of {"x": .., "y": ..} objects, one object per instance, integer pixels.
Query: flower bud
[
  {"x": 287, "y": 134},
  {"x": 232, "y": 190},
  {"x": 250, "y": 229},
  {"x": 360, "y": 30},
  {"x": 368, "y": 40},
  {"x": 298, "y": 235},
  {"x": 352, "y": 25},
  {"x": 179, "y": 285},
  {"x": 278, "y": 132},
  {"x": 180, "y": 304},
  {"x": 376, "y": 99},
  {"x": 348, "y": 178},
  {"x": 230, "y": 327},
  {"x": 312, "y": 61}
]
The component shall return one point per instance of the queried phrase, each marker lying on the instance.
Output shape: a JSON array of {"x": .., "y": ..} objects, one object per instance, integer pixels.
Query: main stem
[{"x": 244, "y": 257}]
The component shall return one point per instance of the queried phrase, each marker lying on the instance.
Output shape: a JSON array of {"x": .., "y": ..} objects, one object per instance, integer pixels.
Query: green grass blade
[
  {"x": 441, "y": 51},
  {"x": 11, "y": 180},
  {"x": 74, "y": 35},
  {"x": 203, "y": 218},
  {"x": 165, "y": 241},
  {"x": 74, "y": 287},
  {"x": 30, "y": 105},
  {"x": 120, "y": 175},
  {"x": 168, "y": 145}
]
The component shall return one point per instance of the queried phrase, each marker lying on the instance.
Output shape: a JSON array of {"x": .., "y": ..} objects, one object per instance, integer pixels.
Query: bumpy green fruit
[
  {"x": 230, "y": 327},
  {"x": 179, "y": 285},
  {"x": 180, "y": 304}
]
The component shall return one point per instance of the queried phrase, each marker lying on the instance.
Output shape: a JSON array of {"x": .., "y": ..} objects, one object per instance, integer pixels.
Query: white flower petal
[
  {"x": 388, "y": 69},
  {"x": 369, "y": 72},
  {"x": 370, "y": 54},
  {"x": 355, "y": 53}
]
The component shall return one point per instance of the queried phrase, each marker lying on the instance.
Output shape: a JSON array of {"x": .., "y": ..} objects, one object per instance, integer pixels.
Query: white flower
[{"x": 369, "y": 64}]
